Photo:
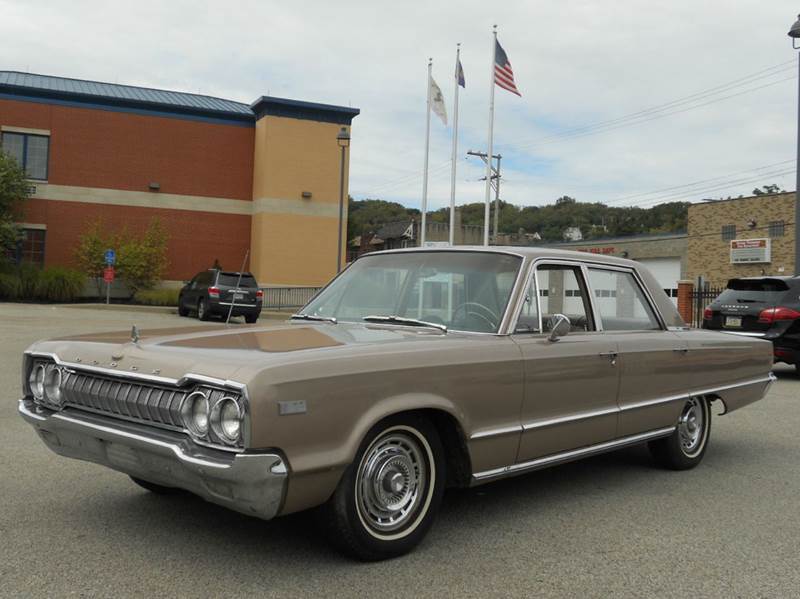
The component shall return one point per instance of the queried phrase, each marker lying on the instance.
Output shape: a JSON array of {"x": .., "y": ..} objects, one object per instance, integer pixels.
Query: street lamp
[
  {"x": 794, "y": 33},
  {"x": 343, "y": 139}
]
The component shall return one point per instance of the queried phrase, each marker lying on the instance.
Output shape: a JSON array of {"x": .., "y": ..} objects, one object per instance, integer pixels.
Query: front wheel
[
  {"x": 388, "y": 497},
  {"x": 685, "y": 447}
]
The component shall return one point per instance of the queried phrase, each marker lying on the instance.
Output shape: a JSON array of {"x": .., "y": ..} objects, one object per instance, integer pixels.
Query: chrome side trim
[
  {"x": 495, "y": 432},
  {"x": 570, "y": 455},
  {"x": 769, "y": 379},
  {"x": 654, "y": 402},
  {"x": 571, "y": 418},
  {"x": 741, "y": 333}
]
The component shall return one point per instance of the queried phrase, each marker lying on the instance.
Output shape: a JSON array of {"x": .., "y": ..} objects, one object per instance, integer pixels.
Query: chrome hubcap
[
  {"x": 690, "y": 425},
  {"x": 391, "y": 481}
]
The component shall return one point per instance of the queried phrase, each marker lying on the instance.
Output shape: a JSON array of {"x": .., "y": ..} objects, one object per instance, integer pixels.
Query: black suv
[
  {"x": 767, "y": 307},
  {"x": 213, "y": 292}
]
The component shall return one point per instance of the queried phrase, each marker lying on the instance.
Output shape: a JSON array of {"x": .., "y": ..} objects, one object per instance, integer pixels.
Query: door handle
[{"x": 612, "y": 355}]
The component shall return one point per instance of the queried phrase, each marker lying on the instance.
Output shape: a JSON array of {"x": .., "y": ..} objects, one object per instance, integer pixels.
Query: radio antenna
[{"x": 235, "y": 291}]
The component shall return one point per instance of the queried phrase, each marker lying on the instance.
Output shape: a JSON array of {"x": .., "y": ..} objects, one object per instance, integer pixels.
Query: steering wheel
[{"x": 483, "y": 313}]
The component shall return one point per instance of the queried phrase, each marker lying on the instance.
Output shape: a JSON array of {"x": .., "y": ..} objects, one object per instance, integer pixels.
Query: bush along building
[{"x": 224, "y": 178}]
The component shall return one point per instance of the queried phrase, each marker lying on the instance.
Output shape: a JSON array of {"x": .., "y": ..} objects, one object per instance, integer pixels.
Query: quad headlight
[
  {"x": 36, "y": 381},
  {"x": 213, "y": 418},
  {"x": 52, "y": 385},
  {"x": 195, "y": 413},
  {"x": 226, "y": 420}
]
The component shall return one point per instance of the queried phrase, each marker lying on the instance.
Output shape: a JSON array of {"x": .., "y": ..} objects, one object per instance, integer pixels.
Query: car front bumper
[{"x": 248, "y": 482}]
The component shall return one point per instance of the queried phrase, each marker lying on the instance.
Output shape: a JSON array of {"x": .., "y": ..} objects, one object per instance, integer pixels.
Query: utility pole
[{"x": 495, "y": 183}]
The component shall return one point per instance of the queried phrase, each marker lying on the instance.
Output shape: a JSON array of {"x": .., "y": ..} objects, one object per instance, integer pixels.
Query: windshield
[
  {"x": 230, "y": 279},
  {"x": 465, "y": 291}
]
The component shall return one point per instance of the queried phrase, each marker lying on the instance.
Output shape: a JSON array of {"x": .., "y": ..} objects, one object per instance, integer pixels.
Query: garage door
[{"x": 667, "y": 272}]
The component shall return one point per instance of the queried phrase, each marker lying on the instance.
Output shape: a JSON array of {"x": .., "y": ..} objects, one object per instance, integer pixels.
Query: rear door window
[
  {"x": 751, "y": 291},
  {"x": 620, "y": 301}
]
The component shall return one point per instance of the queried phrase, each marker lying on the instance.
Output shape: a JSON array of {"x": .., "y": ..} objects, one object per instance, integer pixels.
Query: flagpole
[
  {"x": 489, "y": 151},
  {"x": 425, "y": 170},
  {"x": 455, "y": 151}
]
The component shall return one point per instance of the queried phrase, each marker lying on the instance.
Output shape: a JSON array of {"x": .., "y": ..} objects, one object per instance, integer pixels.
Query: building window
[
  {"x": 30, "y": 151},
  {"x": 776, "y": 228},
  {"x": 728, "y": 232},
  {"x": 29, "y": 248}
]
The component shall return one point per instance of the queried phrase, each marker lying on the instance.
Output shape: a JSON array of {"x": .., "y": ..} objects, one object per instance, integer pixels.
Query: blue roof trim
[
  {"x": 297, "y": 109},
  {"x": 157, "y": 102},
  {"x": 130, "y": 110}
]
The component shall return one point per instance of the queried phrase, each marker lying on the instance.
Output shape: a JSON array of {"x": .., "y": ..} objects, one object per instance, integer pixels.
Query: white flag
[{"x": 437, "y": 102}]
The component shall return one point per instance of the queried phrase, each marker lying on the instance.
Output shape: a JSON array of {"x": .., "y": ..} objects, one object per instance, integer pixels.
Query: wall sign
[{"x": 750, "y": 251}]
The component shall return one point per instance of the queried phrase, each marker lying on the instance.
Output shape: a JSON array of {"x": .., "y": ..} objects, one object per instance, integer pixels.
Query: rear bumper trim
[{"x": 251, "y": 483}]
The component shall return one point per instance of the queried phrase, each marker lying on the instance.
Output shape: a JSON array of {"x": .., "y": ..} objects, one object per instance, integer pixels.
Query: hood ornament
[{"x": 135, "y": 334}]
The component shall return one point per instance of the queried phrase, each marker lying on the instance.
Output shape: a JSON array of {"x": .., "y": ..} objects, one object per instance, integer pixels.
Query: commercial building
[
  {"x": 224, "y": 178},
  {"x": 741, "y": 237}
]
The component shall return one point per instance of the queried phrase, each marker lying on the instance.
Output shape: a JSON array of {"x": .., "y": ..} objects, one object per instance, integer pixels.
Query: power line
[
  {"x": 747, "y": 79},
  {"x": 720, "y": 187},
  {"x": 687, "y": 188},
  {"x": 650, "y": 118}
]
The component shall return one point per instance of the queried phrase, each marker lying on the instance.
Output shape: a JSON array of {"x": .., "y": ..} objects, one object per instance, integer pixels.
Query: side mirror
[{"x": 559, "y": 326}]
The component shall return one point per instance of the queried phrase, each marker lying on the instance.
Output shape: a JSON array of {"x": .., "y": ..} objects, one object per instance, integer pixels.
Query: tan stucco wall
[
  {"x": 294, "y": 239},
  {"x": 709, "y": 254}
]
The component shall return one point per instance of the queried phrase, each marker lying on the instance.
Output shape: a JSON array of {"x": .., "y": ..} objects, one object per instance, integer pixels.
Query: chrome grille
[{"x": 129, "y": 399}]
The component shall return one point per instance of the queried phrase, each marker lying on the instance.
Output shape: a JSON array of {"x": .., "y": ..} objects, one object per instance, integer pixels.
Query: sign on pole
[
  {"x": 108, "y": 277},
  {"x": 111, "y": 257}
]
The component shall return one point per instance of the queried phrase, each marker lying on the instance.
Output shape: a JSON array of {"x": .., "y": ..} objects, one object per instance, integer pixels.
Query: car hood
[{"x": 235, "y": 352}]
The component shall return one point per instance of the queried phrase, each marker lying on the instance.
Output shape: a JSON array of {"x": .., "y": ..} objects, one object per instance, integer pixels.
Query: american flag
[{"x": 503, "y": 74}]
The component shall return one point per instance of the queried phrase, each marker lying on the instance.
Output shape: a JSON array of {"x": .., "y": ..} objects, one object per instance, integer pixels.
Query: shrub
[
  {"x": 141, "y": 260},
  {"x": 157, "y": 297},
  {"x": 9, "y": 286},
  {"x": 58, "y": 284}
]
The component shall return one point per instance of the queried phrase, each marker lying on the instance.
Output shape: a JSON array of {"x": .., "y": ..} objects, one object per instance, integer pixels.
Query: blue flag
[{"x": 460, "y": 74}]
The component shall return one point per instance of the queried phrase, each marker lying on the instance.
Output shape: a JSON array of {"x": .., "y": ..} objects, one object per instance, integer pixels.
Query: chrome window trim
[
  {"x": 534, "y": 264},
  {"x": 163, "y": 380},
  {"x": 571, "y": 454},
  {"x": 648, "y": 298}
]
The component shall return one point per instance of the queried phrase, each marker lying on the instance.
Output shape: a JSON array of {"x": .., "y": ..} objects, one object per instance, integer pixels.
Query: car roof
[{"x": 524, "y": 252}]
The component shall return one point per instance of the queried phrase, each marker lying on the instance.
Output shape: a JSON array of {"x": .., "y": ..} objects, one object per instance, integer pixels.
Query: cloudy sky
[{"x": 629, "y": 102}]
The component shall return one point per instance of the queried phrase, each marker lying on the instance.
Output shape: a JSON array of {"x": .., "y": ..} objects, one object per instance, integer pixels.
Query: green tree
[
  {"x": 141, "y": 259},
  {"x": 14, "y": 190},
  {"x": 766, "y": 190}
]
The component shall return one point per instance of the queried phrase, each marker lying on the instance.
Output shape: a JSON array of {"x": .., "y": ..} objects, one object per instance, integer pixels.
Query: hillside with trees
[{"x": 594, "y": 219}]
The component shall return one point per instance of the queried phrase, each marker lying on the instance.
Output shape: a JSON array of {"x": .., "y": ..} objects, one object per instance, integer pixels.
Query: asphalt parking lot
[{"x": 610, "y": 525}]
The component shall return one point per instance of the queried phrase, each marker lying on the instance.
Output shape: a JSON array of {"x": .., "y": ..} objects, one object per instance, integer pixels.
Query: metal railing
[
  {"x": 287, "y": 298},
  {"x": 700, "y": 299}
]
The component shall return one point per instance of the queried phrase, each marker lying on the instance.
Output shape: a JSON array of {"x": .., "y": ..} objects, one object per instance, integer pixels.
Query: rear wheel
[
  {"x": 157, "y": 489},
  {"x": 685, "y": 447},
  {"x": 388, "y": 497},
  {"x": 202, "y": 309},
  {"x": 250, "y": 318}
]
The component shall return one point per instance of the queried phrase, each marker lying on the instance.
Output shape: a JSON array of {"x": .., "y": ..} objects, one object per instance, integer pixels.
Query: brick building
[
  {"x": 741, "y": 237},
  {"x": 222, "y": 176}
]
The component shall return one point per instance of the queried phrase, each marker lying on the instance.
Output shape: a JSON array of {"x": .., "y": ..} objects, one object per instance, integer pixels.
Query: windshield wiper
[
  {"x": 301, "y": 316},
  {"x": 409, "y": 321}
]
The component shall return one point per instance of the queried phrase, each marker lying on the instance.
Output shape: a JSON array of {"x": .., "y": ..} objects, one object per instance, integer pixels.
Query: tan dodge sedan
[{"x": 412, "y": 371}]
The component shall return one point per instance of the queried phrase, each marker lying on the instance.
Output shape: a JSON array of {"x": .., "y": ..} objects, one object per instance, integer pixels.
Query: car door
[
  {"x": 652, "y": 360},
  {"x": 571, "y": 384}
]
